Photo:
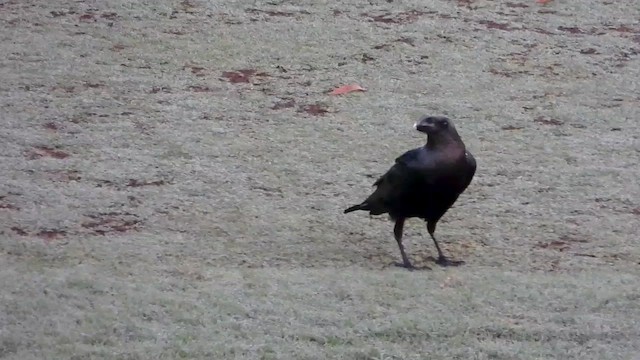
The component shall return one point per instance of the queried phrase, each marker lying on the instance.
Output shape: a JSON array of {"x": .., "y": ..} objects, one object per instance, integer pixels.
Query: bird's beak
[{"x": 423, "y": 127}]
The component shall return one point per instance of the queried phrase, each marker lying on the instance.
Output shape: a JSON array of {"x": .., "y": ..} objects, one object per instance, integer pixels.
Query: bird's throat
[{"x": 440, "y": 141}]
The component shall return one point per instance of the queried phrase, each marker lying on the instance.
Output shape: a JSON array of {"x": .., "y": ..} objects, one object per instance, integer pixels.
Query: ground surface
[{"x": 173, "y": 175}]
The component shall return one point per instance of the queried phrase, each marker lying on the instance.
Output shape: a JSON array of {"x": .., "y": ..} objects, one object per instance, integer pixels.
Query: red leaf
[
  {"x": 50, "y": 235},
  {"x": 347, "y": 89},
  {"x": 543, "y": 1}
]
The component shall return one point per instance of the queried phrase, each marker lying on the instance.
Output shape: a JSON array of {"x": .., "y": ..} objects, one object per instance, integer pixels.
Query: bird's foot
[
  {"x": 443, "y": 261},
  {"x": 410, "y": 266},
  {"x": 406, "y": 265}
]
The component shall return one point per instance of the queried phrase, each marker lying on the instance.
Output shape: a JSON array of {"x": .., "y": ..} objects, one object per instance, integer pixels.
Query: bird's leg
[
  {"x": 442, "y": 260},
  {"x": 397, "y": 232}
]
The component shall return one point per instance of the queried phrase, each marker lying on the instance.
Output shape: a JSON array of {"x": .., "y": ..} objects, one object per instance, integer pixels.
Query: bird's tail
[{"x": 362, "y": 206}]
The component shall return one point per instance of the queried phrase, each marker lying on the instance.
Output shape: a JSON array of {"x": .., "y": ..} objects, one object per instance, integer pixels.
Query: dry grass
[
  {"x": 174, "y": 174},
  {"x": 322, "y": 313}
]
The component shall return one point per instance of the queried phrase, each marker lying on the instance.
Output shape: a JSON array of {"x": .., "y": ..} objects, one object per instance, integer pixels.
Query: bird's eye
[{"x": 443, "y": 123}]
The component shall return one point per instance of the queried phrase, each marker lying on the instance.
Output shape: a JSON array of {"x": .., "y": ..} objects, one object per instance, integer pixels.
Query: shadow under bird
[{"x": 424, "y": 182}]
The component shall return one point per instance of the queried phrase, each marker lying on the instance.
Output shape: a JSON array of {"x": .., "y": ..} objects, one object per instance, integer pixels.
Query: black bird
[{"x": 424, "y": 182}]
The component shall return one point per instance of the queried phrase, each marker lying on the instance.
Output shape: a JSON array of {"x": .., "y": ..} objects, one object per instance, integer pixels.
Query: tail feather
[{"x": 362, "y": 206}]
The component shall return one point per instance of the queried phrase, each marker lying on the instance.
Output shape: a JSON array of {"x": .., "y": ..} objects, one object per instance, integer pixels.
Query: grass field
[{"x": 173, "y": 175}]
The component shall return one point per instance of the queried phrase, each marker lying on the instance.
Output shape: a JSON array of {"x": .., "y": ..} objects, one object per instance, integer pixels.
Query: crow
[{"x": 424, "y": 182}]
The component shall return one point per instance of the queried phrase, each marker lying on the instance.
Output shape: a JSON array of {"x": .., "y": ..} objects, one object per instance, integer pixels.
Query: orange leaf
[
  {"x": 347, "y": 89},
  {"x": 543, "y": 1}
]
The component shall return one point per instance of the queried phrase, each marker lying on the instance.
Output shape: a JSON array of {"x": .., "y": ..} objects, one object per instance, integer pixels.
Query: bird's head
[{"x": 433, "y": 125}]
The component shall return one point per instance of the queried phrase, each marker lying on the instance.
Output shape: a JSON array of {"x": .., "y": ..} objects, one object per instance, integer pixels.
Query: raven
[{"x": 424, "y": 182}]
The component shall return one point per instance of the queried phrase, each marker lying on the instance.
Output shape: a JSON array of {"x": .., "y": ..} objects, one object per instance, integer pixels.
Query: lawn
[{"x": 173, "y": 175}]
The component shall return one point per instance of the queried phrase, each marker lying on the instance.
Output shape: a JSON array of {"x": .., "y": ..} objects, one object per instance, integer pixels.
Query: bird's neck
[{"x": 440, "y": 141}]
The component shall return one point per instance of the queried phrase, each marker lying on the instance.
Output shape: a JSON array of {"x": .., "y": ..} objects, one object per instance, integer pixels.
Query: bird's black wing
[
  {"x": 471, "y": 169},
  {"x": 398, "y": 183},
  {"x": 410, "y": 164}
]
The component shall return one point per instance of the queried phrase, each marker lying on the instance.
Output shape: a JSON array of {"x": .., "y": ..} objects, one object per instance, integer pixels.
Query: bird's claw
[
  {"x": 443, "y": 261},
  {"x": 407, "y": 266},
  {"x": 410, "y": 267}
]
